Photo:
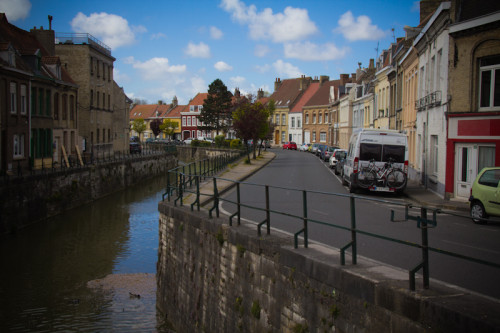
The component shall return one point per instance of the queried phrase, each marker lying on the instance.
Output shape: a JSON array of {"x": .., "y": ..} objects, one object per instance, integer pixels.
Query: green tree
[
  {"x": 169, "y": 127},
  {"x": 216, "y": 112},
  {"x": 139, "y": 126},
  {"x": 250, "y": 122}
]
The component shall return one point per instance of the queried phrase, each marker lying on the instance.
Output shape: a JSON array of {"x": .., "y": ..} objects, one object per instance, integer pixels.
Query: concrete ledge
[{"x": 301, "y": 286}]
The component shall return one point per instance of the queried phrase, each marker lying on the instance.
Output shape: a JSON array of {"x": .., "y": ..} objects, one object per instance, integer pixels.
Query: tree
[
  {"x": 216, "y": 112},
  {"x": 155, "y": 126},
  {"x": 168, "y": 127},
  {"x": 250, "y": 122},
  {"x": 139, "y": 126}
]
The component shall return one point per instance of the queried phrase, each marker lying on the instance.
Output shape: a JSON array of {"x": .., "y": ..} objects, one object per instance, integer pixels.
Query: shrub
[
  {"x": 220, "y": 140},
  {"x": 235, "y": 143}
]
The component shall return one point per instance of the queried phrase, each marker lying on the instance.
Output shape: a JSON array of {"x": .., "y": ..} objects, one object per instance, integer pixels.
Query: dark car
[
  {"x": 135, "y": 147},
  {"x": 320, "y": 150}
]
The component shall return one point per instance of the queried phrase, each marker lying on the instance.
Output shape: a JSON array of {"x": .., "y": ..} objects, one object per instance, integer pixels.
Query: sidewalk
[{"x": 239, "y": 171}]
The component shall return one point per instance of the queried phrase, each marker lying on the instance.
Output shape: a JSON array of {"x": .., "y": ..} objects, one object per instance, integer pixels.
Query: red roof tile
[
  {"x": 322, "y": 95},
  {"x": 198, "y": 99},
  {"x": 310, "y": 91}
]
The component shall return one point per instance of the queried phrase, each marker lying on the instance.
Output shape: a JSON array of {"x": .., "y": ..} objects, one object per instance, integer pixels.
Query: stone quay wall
[
  {"x": 33, "y": 198},
  {"x": 215, "y": 278}
]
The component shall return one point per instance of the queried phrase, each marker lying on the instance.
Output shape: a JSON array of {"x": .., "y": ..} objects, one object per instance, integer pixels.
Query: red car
[{"x": 290, "y": 145}]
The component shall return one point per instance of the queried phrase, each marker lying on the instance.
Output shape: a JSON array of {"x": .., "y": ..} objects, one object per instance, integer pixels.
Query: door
[{"x": 466, "y": 168}]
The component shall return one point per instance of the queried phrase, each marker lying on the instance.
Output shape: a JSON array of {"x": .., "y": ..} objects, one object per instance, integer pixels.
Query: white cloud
[
  {"x": 286, "y": 69},
  {"x": 155, "y": 68},
  {"x": 221, "y": 66},
  {"x": 119, "y": 77},
  {"x": 312, "y": 52},
  {"x": 112, "y": 30},
  {"x": 215, "y": 33},
  {"x": 201, "y": 50},
  {"x": 237, "y": 79},
  {"x": 263, "y": 69},
  {"x": 159, "y": 35},
  {"x": 359, "y": 29},
  {"x": 293, "y": 24},
  {"x": 15, "y": 9},
  {"x": 261, "y": 50}
]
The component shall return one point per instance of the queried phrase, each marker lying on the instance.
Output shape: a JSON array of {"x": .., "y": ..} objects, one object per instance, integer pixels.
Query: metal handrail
[{"x": 423, "y": 223}]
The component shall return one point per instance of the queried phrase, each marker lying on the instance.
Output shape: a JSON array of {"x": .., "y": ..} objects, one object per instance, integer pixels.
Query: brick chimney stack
[
  {"x": 277, "y": 84},
  {"x": 260, "y": 93},
  {"x": 344, "y": 78},
  {"x": 323, "y": 79}
]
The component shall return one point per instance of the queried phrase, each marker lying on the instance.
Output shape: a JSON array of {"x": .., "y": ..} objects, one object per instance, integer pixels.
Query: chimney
[
  {"x": 427, "y": 7},
  {"x": 46, "y": 38},
  {"x": 260, "y": 93},
  {"x": 277, "y": 84},
  {"x": 174, "y": 101},
  {"x": 323, "y": 79},
  {"x": 237, "y": 93},
  {"x": 344, "y": 78},
  {"x": 353, "y": 76},
  {"x": 372, "y": 64}
]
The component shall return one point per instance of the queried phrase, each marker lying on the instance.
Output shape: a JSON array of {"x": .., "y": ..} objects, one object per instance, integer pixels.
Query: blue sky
[{"x": 177, "y": 48}]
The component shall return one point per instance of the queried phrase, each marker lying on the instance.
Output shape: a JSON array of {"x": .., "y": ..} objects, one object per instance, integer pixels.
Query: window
[
  {"x": 486, "y": 157},
  {"x": 490, "y": 178},
  {"x": 104, "y": 100},
  {"x": 18, "y": 145},
  {"x": 307, "y": 118},
  {"x": 489, "y": 83},
  {"x": 91, "y": 65},
  {"x": 71, "y": 107},
  {"x": 103, "y": 71},
  {"x": 188, "y": 121},
  {"x": 277, "y": 119},
  {"x": 293, "y": 122},
  {"x": 322, "y": 136},
  {"x": 199, "y": 121},
  {"x": 183, "y": 121},
  {"x": 40, "y": 101},
  {"x": 299, "y": 125},
  {"x": 191, "y": 108},
  {"x": 283, "y": 119},
  {"x": 97, "y": 100},
  {"x": 434, "y": 154},
  {"x": 13, "y": 97},
  {"x": 200, "y": 107},
  {"x": 320, "y": 118},
  {"x": 91, "y": 97},
  {"x": 64, "y": 107},
  {"x": 56, "y": 106},
  {"x": 314, "y": 118},
  {"x": 314, "y": 136},
  {"x": 109, "y": 102},
  {"x": 438, "y": 69},
  {"x": 24, "y": 105},
  {"x": 283, "y": 137},
  {"x": 326, "y": 117}
]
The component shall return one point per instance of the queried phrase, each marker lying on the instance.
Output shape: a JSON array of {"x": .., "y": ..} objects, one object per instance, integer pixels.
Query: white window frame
[
  {"x": 283, "y": 136},
  {"x": 314, "y": 136},
  {"x": 492, "y": 69},
  {"x": 299, "y": 125},
  {"x": 322, "y": 136},
  {"x": 188, "y": 121},
  {"x": 314, "y": 118},
  {"x": 293, "y": 122},
  {"x": 13, "y": 97},
  {"x": 183, "y": 120},
  {"x": 191, "y": 108},
  {"x": 320, "y": 118},
  {"x": 326, "y": 117},
  {"x": 434, "y": 142},
  {"x": 283, "y": 119},
  {"x": 200, "y": 107},
  {"x": 307, "y": 118},
  {"x": 277, "y": 119}
]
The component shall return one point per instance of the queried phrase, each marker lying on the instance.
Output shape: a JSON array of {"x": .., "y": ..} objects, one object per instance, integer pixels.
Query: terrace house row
[{"x": 43, "y": 117}]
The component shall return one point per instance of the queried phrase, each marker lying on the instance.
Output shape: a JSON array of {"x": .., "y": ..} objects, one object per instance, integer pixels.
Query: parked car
[
  {"x": 290, "y": 145},
  {"x": 320, "y": 150},
  {"x": 339, "y": 167},
  {"x": 484, "y": 199},
  {"x": 380, "y": 146},
  {"x": 337, "y": 155},
  {"x": 314, "y": 148},
  {"x": 135, "y": 147},
  {"x": 304, "y": 147},
  {"x": 328, "y": 152},
  {"x": 265, "y": 144}
]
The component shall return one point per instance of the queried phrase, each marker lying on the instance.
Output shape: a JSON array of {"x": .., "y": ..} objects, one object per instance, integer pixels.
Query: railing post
[
  {"x": 268, "y": 213},
  {"x": 353, "y": 230},
  {"x": 216, "y": 200},
  {"x": 304, "y": 202},
  {"x": 425, "y": 246},
  {"x": 238, "y": 207}
]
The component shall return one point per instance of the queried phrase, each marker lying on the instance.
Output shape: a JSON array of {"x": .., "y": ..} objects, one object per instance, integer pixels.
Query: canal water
[{"x": 91, "y": 269}]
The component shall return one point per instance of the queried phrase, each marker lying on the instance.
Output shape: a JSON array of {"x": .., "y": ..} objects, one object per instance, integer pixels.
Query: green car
[{"x": 485, "y": 195}]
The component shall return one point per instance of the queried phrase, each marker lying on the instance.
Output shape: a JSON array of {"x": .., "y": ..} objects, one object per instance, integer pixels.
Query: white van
[{"x": 373, "y": 149}]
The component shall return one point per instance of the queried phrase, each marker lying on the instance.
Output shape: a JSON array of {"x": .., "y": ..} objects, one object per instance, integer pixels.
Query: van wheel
[
  {"x": 477, "y": 212},
  {"x": 352, "y": 187},
  {"x": 344, "y": 182}
]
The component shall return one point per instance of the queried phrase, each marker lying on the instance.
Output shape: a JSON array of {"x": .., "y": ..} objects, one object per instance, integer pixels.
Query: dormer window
[
  {"x": 200, "y": 107},
  {"x": 12, "y": 58},
  {"x": 191, "y": 108}
]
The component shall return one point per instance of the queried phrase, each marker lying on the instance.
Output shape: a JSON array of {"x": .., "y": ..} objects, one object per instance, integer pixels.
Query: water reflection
[{"x": 46, "y": 267}]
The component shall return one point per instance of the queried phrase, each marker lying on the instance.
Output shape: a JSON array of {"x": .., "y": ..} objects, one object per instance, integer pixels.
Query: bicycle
[{"x": 389, "y": 175}]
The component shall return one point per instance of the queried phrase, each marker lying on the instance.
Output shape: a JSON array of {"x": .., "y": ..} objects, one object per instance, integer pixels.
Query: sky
[{"x": 167, "y": 48}]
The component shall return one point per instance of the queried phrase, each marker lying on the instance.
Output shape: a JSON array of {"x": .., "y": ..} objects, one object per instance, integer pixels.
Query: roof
[
  {"x": 146, "y": 111},
  {"x": 199, "y": 99},
  {"x": 287, "y": 92},
  {"x": 322, "y": 95},
  {"x": 175, "y": 112},
  {"x": 310, "y": 91}
]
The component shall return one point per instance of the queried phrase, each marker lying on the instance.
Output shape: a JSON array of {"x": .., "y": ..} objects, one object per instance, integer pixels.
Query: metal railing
[
  {"x": 181, "y": 180},
  {"x": 50, "y": 164}
]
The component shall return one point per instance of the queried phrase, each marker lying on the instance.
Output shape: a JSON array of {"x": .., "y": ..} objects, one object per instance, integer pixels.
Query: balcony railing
[
  {"x": 431, "y": 100},
  {"x": 82, "y": 38}
]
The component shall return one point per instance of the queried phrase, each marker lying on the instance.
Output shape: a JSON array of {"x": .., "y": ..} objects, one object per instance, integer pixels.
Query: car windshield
[{"x": 490, "y": 178}]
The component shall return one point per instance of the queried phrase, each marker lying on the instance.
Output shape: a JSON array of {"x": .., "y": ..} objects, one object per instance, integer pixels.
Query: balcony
[{"x": 429, "y": 101}]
